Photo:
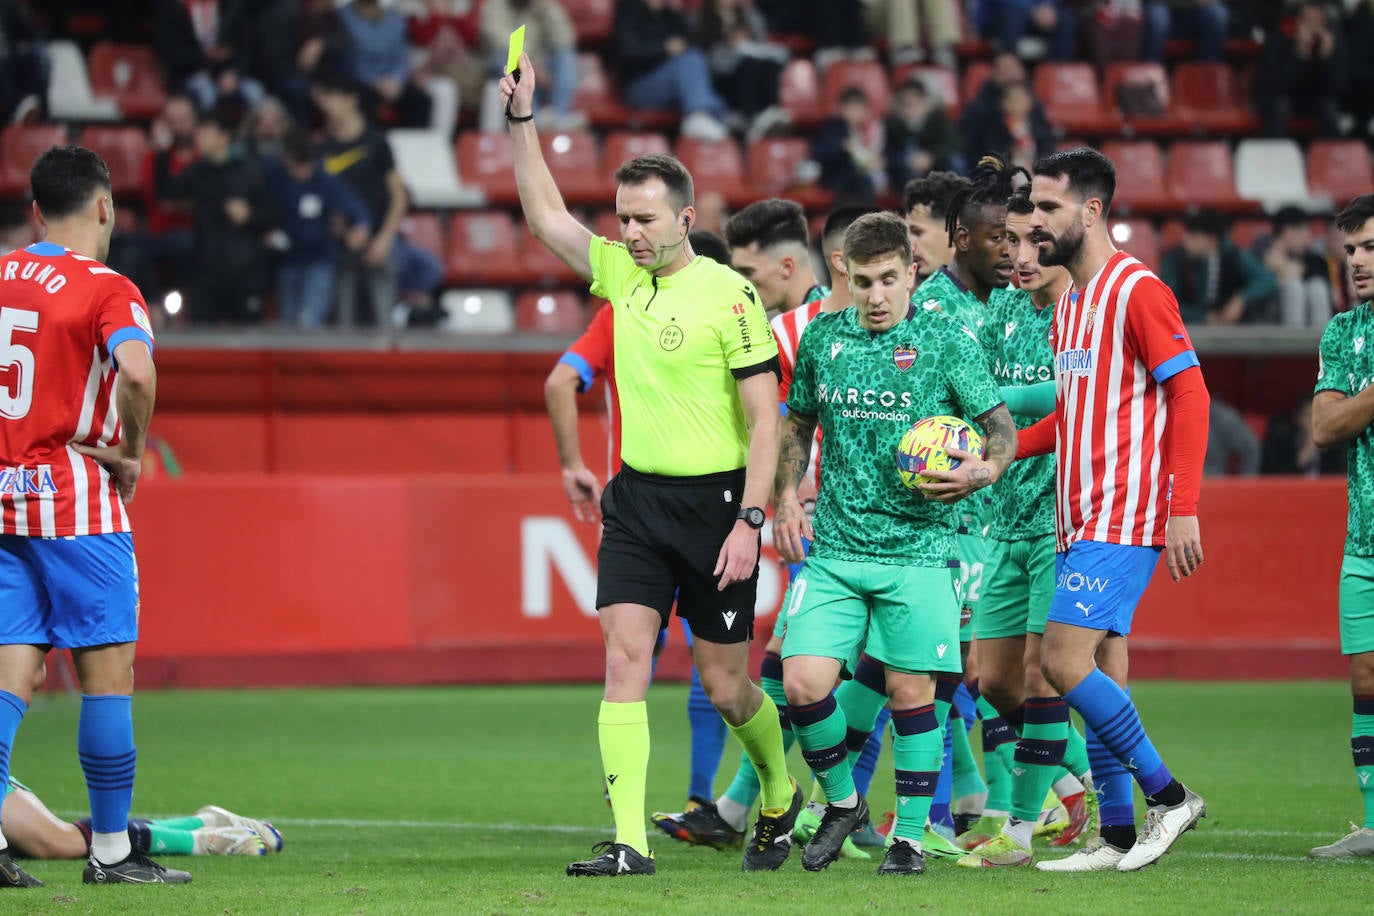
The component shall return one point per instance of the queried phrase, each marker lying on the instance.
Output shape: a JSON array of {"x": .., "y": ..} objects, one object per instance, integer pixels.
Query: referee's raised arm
[{"x": 545, "y": 211}]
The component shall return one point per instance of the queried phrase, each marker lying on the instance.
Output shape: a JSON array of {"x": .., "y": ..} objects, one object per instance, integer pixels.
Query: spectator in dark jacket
[
  {"x": 1214, "y": 281},
  {"x": 1015, "y": 131},
  {"x": 1303, "y": 71},
  {"x": 233, "y": 213},
  {"x": 24, "y": 64},
  {"x": 918, "y": 136},
  {"x": 314, "y": 207},
  {"x": 980, "y": 116},
  {"x": 204, "y": 56},
  {"x": 849, "y": 148},
  {"x": 381, "y": 62},
  {"x": 659, "y": 68}
]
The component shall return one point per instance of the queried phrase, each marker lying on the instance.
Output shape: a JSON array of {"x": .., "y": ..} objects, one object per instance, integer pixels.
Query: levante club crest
[{"x": 905, "y": 357}]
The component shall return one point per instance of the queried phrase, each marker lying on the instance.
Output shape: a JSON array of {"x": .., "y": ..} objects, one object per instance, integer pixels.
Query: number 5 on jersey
[{"x": 16, "y": 393}]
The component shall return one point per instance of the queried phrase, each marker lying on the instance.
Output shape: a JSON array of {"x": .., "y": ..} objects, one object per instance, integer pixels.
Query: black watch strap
[{"x": 752, "y": 515}]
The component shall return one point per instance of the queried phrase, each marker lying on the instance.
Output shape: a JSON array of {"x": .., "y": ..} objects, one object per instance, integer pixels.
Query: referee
[{"x": 696, "y": 370}]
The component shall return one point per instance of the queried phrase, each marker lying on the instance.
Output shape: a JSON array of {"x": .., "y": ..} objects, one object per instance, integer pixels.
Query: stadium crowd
[{"x": 265, "y": 181}]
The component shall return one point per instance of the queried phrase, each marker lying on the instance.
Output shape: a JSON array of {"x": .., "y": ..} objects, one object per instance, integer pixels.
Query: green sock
[
  {"x": 191, "y": 822},
  {"x": 173, "y": 841},
  {"x": 820, "y": 730},
  {"x": 860, "y": 705},
  {"x": 624, "y": 733},
  {"x": 967, "y": 779},
  {"x": 744, "y": 788},
  {"x": 1076, "y": 754},
  {"x": 1046, "y": 725},
  {"x": 1362, "y": 747},
  {"x": 761, "y": 738},
  {"x": 918, "y": 745}
]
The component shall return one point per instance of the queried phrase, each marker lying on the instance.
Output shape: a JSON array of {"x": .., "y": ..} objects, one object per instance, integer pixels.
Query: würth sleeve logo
[{"x": 739, "y": 308}]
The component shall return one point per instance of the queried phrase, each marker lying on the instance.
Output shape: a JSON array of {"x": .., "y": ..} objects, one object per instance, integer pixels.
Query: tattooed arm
[
  {"x": 790, "y": 521},
  {"x": 973, "y": 473}
]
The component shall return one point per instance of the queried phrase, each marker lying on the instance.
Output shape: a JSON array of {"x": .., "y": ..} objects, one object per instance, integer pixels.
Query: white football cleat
[
  {"x": 1163, "y": 826},
  {"x": 1359, "y": 842},
  {"x": 229, "y": 841},
  {"x": 1098, "y": 855},
  {"x": 215, "y": 816}
]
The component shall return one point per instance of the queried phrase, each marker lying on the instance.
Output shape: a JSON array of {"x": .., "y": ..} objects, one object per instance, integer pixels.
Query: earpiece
[{"x": 686, "y": 225}]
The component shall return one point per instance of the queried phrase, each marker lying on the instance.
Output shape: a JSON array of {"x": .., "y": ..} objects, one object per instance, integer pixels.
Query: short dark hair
[
  {"x": 839, "y": 220},
  {"x": 935, "y": 190},
  {"x": 336, "y": 80},
  {"x": 767, "y": 223},
  {"x": 672, "y": 173},
  {"x": 707, "y": 243},
  {"x": 875, "y": 235},
  {"x": 219, "y": 117},
  {"x": 1289, "y": 216},
  {"x": 1205, "y": 222},
  {"x": 1090, "y": 173},
  {"x": 296, "y": 146},
  {"x": 913, "y": 84},
  {"x": 64, "y": 179},
  {"x": 853, "y": 94},
  {"x": 1356, "y": 213},
  {"x": 1020, "y": 203}
]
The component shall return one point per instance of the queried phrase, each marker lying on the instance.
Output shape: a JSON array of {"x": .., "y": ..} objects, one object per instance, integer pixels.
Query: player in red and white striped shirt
[
  {"x": 1129, "y": 431},
  {"x": 76, "y": 395}
]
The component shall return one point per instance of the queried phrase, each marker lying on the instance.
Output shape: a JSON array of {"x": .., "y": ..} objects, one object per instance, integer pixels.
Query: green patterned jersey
[
  {"x": 1016, "y": 336},
  {"x": 866, "y": 389},
  {"x": 1347, "y": 366},
  {"x": 942, "y": 291}
]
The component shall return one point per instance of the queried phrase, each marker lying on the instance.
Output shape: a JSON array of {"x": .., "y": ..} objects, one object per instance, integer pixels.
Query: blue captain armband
[
  {"x": 582, "y": 367},
  {"x": 1174, "y": 365}
]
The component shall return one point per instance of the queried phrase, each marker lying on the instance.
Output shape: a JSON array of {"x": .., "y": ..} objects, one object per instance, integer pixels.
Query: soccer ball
[{"x": 923, "y": 448}]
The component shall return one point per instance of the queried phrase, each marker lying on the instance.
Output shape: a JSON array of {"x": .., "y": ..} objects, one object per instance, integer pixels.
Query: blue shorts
[
  {"x": 1098, "y": 586},
  {"x": 69, "y": 592}
]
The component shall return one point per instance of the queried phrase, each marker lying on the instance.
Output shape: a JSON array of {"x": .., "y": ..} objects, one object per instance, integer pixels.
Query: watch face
[{"x": 753, "y": 517}]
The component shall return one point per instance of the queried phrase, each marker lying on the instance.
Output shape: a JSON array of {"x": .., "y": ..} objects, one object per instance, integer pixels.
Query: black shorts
[{"x": 661, "y": 537}]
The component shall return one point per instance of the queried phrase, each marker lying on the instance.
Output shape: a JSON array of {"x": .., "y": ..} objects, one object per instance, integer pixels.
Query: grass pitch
[{"x": 472, "y": 800}]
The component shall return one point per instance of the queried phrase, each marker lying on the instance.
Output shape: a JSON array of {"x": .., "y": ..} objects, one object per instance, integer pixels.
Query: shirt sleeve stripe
[
  {"x": 129, "y": 333},
  {"x": 584, "y": 369},
  {"x": 1174, "y": 365}
]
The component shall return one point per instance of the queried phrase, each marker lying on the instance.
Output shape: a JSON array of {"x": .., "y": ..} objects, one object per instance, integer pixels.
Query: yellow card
[{"x": 517, "y": 47}]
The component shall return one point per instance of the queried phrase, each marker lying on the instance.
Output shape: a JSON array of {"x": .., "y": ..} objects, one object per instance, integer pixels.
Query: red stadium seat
[
  {"x": 1139, "y": 76},
  {"x": 575, "y": 163},
  {"x": 940, "y": 82},
  {"x": 1246, "y": 232},
  {"x": 799, "y": 93},
  {"x": 129, "y": 75},
  {"x": 422, "y": 229},
  {"x": 1339, "y": 169},
  {"x": 1137, "y": 238},
  {"x": 541, "y": 267},
  {"x": 20, "y": 144},
  {"x": 1142, "y": 189},
  {"x": 1207, "y": 97},
  {"x": 868, "y": 75},
  {"x": 550, "y": 312},
  {"x": 716, "y": 165},
  {"x": 975, "y": 75},
  {"x": 773, "y": 163},
  {"x": 485, "y": 161},
  {"x": 606, "y": 224},
  {"x": 1201, "y": 174},
  {"x": 592, "y": 18},
  {"x": 1072, "y": 101},
  {"x": 481, "y": 250},
  {"x": 123, "y": 149},
  {"x": 596, "y": 95},
  {"x": 621, "y": 147}
]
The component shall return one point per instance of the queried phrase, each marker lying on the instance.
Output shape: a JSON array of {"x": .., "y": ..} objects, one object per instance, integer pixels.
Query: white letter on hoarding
[{"x": 548, "y": 542}]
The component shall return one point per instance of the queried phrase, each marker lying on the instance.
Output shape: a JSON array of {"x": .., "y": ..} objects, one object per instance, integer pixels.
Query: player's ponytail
[{"x": 992, "y": 181}]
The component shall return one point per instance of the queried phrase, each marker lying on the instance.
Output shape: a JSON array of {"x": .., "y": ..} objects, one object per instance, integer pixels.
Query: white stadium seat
[
  {"x": 69, "y": 88},
  {"x": 478, "y": 311},
  {"x": 1272, "y": 172},
  {"x": 425, "y": 160}
]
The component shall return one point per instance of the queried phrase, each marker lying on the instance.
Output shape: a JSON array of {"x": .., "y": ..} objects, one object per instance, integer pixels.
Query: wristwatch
[{"x": 752, "y": 515}]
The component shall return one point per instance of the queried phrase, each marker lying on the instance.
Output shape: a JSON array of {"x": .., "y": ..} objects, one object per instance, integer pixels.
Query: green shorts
[
  {"x": 1357, "y": 605},
  {"x": 906, "y": 617},
  {"x": 1017, "y": 587},
  {"x": 969, "y": 581}
]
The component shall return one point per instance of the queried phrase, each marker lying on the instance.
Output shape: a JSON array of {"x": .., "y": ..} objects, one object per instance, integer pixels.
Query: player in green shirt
[
  {"x": 878, "y": 572},
  {"x": 696, "y": 371},
  {"x": 1020, "y": 573},
  {"x": 1343, "y": 412}
]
